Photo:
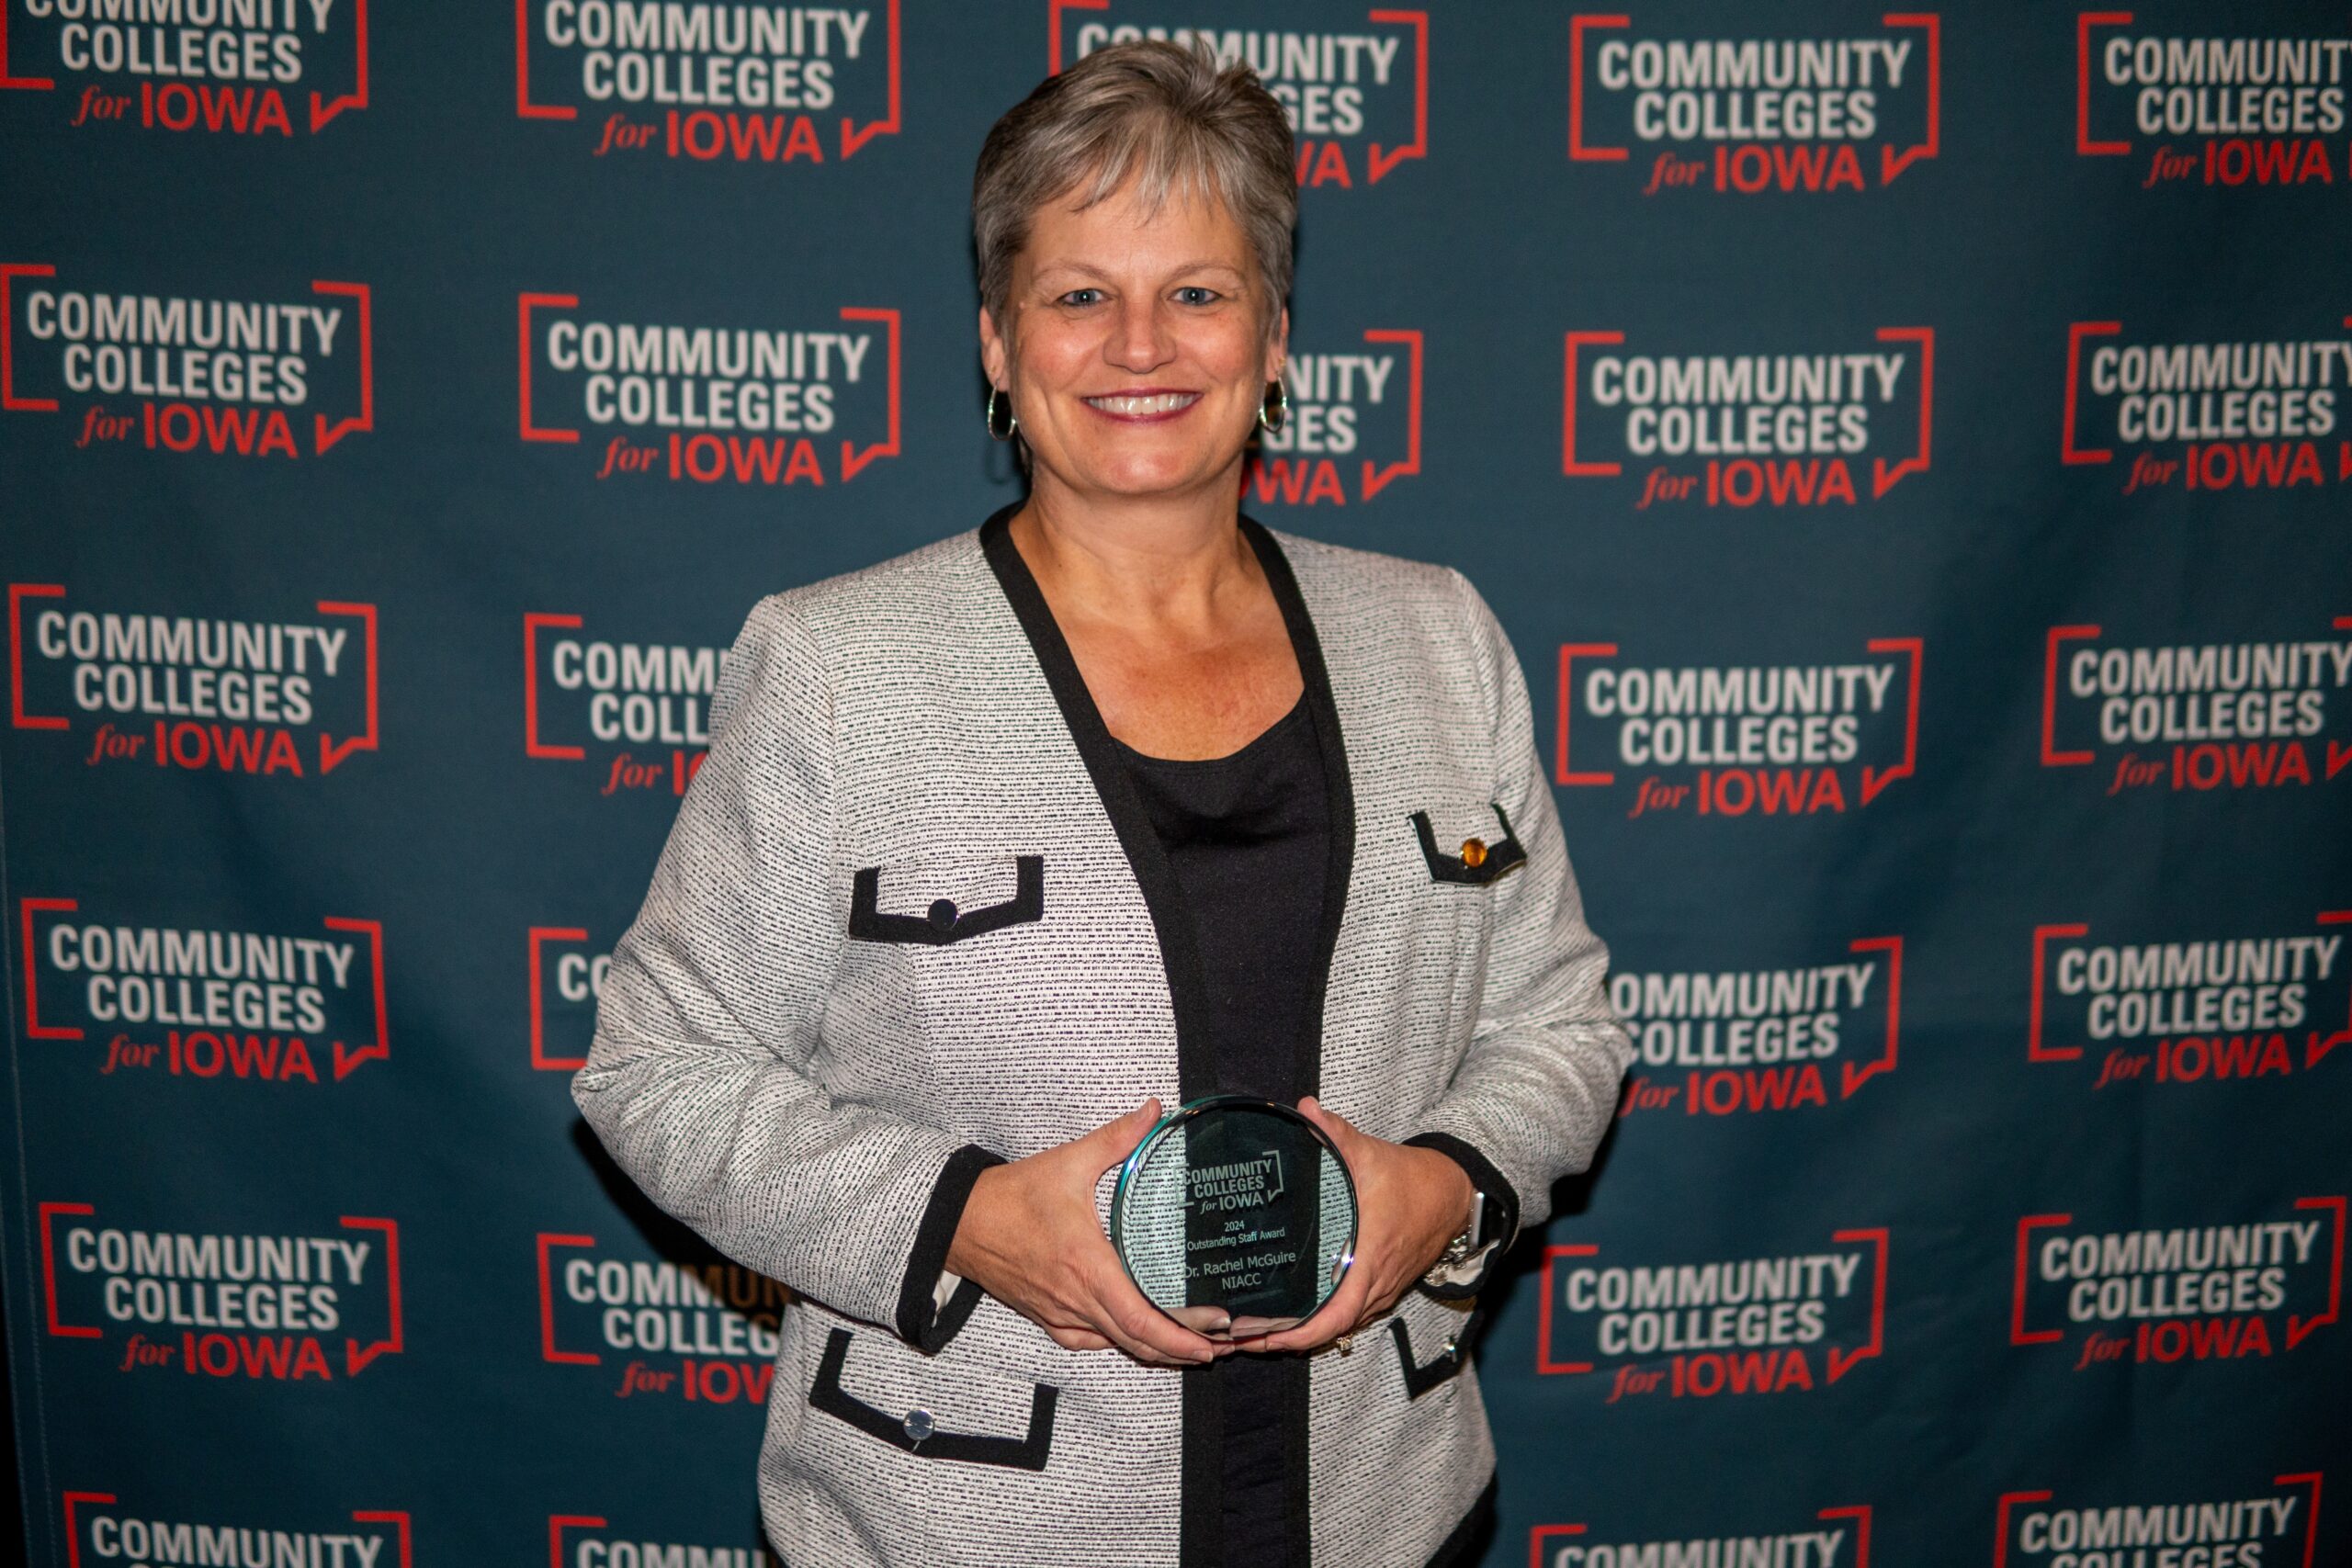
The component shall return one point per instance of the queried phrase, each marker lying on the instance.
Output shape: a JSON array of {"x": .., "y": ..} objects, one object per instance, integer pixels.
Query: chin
[
  {"x": 1141, "y": 479},
  {"x": 1142, "y": 473}
]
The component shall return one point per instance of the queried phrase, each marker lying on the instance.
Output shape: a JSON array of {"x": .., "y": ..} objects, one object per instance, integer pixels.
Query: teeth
[{"x": 1163, "y": 402}]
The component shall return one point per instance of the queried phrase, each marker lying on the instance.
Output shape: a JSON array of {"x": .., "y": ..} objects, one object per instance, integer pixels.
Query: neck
[{"x": 1136, "y": 560}]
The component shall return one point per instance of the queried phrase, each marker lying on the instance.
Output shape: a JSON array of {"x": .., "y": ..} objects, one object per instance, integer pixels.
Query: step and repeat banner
[{"x": 1909, "y": 451}]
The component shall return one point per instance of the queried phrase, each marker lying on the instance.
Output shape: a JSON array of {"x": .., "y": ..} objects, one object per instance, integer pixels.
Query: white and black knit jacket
[{"x": 913, "y": 919}]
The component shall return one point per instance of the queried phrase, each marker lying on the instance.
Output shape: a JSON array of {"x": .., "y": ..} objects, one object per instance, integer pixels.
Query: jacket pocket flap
[
  {"x": 935, "y": 905},
  {"x": 1444, "y": 1347},
  {"x": 1491, "y": 852},
  {"x": 935, "y": 1411}
]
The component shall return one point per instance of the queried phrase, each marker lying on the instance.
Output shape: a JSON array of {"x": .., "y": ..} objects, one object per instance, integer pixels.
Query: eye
[
  {"x": 1193, "y": 293},
  {"x": 1082, "y": 297}
]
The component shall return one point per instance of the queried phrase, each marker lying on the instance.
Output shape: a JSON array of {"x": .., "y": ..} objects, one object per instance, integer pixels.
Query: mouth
[{"x": 1142, "y": 406}]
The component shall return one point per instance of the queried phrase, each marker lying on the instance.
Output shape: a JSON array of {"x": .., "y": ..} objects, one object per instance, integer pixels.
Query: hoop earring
[
  {"x": 1274, "y": 408},
  {"x": 1011, "y": 421}
]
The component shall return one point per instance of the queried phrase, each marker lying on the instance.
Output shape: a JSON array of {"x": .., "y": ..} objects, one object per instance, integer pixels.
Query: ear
[
  {"x": 1278, "y": 345},
  {"x": 996, "y": 354}
]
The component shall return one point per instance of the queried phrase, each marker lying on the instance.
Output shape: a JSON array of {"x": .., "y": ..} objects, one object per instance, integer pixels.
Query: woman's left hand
[{"x": 1410, "y": 1202}]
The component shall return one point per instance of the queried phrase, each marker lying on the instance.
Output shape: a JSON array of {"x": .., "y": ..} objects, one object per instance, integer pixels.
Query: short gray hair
[{"x": 1173, "y": 116}]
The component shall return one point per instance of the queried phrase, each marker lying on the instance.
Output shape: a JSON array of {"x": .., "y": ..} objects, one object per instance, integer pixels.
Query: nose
[{"x": 1139, "y": 339}]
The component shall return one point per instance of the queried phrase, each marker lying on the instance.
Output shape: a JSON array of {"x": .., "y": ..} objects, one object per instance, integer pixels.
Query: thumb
[
  {"x": 1120, "y": 1135},
  {"x": 1331, "y": 1122}
]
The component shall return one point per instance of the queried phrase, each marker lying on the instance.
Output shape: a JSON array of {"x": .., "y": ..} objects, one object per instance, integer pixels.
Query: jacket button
[
  {"x": 1473, "y": 852},
  {"x": 943, "y": 918},
  {"x": 919, "y": 1423}
]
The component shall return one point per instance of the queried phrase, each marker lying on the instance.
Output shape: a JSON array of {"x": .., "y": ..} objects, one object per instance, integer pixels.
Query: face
[{"x": 1136, "y": 350}]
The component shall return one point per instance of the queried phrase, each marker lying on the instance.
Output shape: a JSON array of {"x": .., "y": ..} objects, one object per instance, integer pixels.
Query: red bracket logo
[
  {"x": 532, "y": 745},
  {"x": 1885, "y": 475},
  {"x": 2070, "y": 450},
  {"x": 355, "y": 1354},
  {"x": 326, "y": 433},
  {"x": 346, "y": 1059},
  {"x": 2083, "y": 23},
  {"x": 1875, "y": 780},
  {"x": 547, "y": 1349},
  {"x": 331, "y": 752},
  {"x": 9, "y": 272},
  {"x": 1853, "y": 1075},
  {"x": 540, "y": 1060},
  {"x": 558, "y": 1524},
  {"x": 853, "y": 458},
  {"x": 854, "y": 136},
  {"x": 1376, "y": 478}
]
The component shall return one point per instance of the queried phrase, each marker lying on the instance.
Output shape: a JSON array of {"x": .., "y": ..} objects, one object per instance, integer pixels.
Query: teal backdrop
[{"x": 1908, "y": 452}]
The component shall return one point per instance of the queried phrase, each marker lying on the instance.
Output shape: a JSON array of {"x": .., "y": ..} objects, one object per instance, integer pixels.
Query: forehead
[{"x": 1186, "y": 226}]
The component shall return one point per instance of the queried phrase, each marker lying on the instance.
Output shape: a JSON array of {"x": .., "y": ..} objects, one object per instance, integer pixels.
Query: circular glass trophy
[{"x": 1235, "y": 1210}]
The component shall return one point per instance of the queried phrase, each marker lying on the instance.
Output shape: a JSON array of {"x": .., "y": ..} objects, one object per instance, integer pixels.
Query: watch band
[{"x": 1457, "y": 1251}]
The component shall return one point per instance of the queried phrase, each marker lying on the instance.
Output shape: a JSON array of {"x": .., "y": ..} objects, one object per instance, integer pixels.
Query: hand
[
  {"x": 1410, "y": 1202},
  {"x": 1030, "y": 1237}
]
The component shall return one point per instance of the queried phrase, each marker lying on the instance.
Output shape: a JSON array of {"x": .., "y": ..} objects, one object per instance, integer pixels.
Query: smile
[{"x": 1148, "y": 405}]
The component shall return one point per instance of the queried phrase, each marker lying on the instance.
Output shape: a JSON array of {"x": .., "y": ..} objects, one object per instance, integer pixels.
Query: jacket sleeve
[
  {"x": 1536, "y": 1090},
  {"x": 700, "y": 1080}
]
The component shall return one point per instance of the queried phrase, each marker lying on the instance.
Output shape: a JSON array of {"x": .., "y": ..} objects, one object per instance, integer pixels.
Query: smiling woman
[{"x": 1120, "y": 801}]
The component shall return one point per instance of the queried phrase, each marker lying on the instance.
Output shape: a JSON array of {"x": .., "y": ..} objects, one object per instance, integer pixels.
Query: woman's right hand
[{"x": 1031, "y": 1239}]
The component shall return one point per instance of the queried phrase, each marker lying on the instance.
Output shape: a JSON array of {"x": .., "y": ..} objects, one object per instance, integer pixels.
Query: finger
[
  {"x": 1078, "y": 1339},
  {"x": 1151, "y": 1356},
  {"x": 1336, "y": 1317},
  {"x": 1136, "y": 1321},
  {"x": 1209, "y": 1321}
]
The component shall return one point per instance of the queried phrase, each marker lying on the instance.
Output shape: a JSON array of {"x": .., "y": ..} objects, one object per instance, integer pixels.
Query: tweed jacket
[{"x": 913, "y": 919}]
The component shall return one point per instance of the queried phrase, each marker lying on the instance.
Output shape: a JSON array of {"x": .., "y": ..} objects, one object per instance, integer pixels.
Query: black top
[{"x": 1248, "y": 836}]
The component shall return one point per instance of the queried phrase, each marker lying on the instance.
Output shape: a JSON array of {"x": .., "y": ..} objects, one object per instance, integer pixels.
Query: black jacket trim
[
  {"x": 1503, "y": 856},
  {"x": 1202, "y": 1501},
  {"x": 1017, "y": 1454},
  {"x": 921, "y": 1323},
  {"x": 1450, "y": 1358},
  {"x": 1340, "y": 813},
  {"x": 944, "y": 923},
  {"x": 1501, "y": 1214},
  {"x": 1461, "y": 1548}
]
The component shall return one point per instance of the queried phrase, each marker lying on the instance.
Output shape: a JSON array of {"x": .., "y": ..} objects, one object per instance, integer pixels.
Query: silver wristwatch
[{"x": 1457, "y": 1251}]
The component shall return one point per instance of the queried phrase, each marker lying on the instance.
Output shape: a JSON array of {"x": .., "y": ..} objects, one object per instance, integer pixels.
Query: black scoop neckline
[{"x": 1255, "y": 743}]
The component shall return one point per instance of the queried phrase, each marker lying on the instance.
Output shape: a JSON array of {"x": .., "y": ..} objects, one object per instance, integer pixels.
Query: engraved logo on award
[{"x": 1235, "y": 1208}]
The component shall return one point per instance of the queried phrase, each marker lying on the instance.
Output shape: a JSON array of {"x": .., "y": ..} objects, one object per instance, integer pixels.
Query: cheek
[
  {"x": 1237, "y": 355},
  {"x": 1048, "y": 352}
]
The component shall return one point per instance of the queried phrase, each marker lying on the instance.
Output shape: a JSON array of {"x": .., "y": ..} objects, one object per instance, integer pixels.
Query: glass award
[{"x": 1234, "y": 1211}]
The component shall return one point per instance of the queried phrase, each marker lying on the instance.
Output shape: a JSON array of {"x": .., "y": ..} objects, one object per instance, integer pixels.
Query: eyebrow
[{"x": 1091, "y": 271}]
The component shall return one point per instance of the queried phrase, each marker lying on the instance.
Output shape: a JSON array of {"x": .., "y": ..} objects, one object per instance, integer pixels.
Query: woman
[{"x": 1117, "y": 801}]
